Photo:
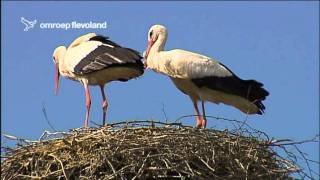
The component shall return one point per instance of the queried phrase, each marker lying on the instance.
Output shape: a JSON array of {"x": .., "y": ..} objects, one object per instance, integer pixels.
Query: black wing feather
[
  {"x": 104, "y": 40},
  {"x": 102, "y": 57}
]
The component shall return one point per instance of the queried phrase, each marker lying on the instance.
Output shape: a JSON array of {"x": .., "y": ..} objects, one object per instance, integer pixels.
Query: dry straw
[{"x": 150, "y": 150}]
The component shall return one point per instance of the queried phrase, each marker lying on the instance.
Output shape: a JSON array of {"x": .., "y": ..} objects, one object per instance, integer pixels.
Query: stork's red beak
[
  {"x": 150, "y": 44},
  {"x": 145, "y": 64},
  {"x": 57, "y": 78}
]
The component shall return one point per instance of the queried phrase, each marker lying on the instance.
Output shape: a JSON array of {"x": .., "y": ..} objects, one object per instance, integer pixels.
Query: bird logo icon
[{"x": 28, "y": 24}]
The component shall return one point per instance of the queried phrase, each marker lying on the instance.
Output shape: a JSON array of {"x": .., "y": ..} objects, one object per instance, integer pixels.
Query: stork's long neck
[
  {"x": 159, "y": 44},
  {"x": 154, "y": 59}
]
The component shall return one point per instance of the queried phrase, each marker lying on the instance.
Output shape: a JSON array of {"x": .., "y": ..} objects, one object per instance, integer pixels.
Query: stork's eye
[
  {"x": 54, "y": 59},
  {"x": 151, "y": 32}
]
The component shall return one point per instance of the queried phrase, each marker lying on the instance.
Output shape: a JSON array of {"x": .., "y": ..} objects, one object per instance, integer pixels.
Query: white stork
[
  {"x": 95, "y": 60},
  {"x": 202, "y": 78}
]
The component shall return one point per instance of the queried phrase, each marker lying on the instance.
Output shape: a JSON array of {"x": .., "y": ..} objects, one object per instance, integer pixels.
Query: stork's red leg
[
  {"x": 88, "y": 104},
  {"x": 199, "y": 119},
  {"x": 104, "y": 105},
  {"x": 204, "y": 118}
]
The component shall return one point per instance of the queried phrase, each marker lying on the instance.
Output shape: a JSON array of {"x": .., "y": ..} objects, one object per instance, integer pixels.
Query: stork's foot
[
  {"x": 199, "y": 123},
  {"x": 204, "y": 123}
]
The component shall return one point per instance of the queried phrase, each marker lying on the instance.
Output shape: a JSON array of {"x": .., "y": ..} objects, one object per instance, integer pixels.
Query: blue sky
[{"x": 276, "y": 43}]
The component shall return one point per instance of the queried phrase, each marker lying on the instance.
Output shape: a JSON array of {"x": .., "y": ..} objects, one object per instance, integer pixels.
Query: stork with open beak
[
  {"x": 95, "y": 60},
  {"x": 202, "y": 78}
]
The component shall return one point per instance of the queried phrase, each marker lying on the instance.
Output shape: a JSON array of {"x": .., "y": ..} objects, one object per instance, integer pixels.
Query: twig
[
  {"x": 208, "y": 166},
  {"x": 141, "y": 168},
  {"x": 46, "y": 117},
  {"x": 291, "y": 142},
  {"x": 64, "y": 173},
  {"x": 113, "y": 170},
  {"x": 164, "y": 112},
  {"x": 11, "y": 137}
]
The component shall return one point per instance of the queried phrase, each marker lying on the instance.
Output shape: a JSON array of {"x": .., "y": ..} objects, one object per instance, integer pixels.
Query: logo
[
  {"x": 28, "y": 24},
  {"x": 62, "y": 25}
]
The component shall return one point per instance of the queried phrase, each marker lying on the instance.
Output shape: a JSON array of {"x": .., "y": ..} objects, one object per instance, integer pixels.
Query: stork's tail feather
[
  {"x": 250, "y": 90},
  {"x": 256, "y": 94}
]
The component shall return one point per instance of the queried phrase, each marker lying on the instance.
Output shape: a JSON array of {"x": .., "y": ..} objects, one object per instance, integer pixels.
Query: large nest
[{"x": 147, "y": 150}]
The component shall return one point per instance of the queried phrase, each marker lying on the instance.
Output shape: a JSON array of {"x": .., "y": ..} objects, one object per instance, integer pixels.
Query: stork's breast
[
  {"x": 187, "y": 87},
  {"x": 112, "y": 74}
]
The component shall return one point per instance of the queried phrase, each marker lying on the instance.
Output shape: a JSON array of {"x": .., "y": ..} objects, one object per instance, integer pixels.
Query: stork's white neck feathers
[
  {"x": 159, "y": 44},
  {"x": 154, "y": 59}
]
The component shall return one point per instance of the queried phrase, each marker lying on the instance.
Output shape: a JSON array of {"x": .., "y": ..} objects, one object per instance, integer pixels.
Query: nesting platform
[{"x": 147, "y": 150}]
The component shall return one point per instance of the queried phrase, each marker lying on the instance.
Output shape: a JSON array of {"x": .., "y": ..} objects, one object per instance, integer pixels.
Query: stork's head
[
  {"x": 58, "y": 55},
  {"x": 154, "y": 33}
]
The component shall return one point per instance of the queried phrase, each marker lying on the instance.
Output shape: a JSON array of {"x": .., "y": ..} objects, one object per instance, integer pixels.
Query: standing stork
[
  {"x": 96, "y": 60},
  {"x": 202, "y": 78}
]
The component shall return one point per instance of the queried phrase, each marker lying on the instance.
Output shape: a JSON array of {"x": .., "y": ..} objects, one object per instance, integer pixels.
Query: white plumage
[
  {"x": 202, "y": 78},
  {"x": 179, "y": 63},
  {"x": 95, "y": 60}
]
